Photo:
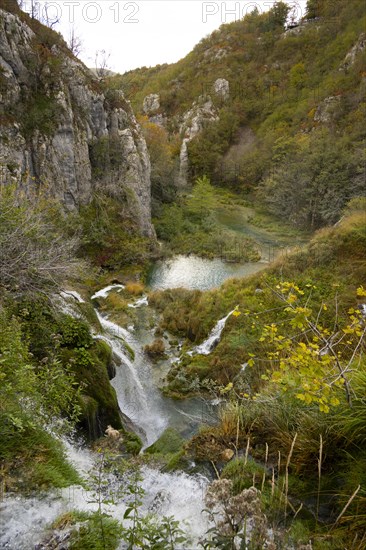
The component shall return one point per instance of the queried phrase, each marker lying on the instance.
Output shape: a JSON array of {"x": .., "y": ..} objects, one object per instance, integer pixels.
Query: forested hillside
[{"x": 287, "y": 128}]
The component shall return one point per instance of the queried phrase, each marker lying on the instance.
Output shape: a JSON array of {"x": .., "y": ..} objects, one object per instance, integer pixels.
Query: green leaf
[{"x": 127, "y": 512}]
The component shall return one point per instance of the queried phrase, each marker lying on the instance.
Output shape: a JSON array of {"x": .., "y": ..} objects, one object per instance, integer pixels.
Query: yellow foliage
[{"x": 135, "y": 288}]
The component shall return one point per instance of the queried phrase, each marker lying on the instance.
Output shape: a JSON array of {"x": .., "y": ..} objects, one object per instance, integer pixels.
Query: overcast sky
[{"x": 146, "y": 32}]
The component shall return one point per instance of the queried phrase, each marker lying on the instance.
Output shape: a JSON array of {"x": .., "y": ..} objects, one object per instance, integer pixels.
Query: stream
[{"x": 24, "y": 520}]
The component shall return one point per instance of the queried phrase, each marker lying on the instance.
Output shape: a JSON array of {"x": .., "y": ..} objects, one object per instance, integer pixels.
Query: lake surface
[
  {"x": 198, "y": 273},
  {"x": 193, "y": 272}
]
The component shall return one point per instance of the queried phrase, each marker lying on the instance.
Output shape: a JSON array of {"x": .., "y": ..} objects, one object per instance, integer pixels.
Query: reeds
[{"x": 320, "y": 459}]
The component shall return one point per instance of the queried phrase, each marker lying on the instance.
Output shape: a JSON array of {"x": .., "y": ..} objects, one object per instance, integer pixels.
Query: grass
[
  {"x": 90, "y": 530},
  {"x": 34, "y": 460},
  {"x": 191, "y": 226},
  {"x": 308, "y": 464}
]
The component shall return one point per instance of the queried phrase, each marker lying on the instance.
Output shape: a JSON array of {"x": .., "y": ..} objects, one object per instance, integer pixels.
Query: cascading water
[
  {"x": 103, "y": 293},
  {"x": 24, "y": 521},
  {"x": 138, "y": 399},
  {"x": 214, "y": 338}
]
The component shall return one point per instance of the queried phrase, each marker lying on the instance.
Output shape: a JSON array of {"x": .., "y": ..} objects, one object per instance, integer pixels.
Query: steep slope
[
  {"x": 285, "y": 124},
  {"x": 59, "y": 130}
]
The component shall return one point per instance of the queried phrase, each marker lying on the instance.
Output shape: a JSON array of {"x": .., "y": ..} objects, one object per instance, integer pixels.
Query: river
[{"x": 25, "y": 521}]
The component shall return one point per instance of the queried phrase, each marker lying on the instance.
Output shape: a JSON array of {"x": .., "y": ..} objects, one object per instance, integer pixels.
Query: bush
[
  {"x": 156, "y": 350},
  {"x": 135, "y": 288},
  {"x": 35, "y": 254},
  {"x": 31, "y": 396},
  {"x": 75, "y": 333}
]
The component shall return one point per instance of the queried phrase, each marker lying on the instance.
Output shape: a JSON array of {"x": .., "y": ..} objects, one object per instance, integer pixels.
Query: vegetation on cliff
[{"x": 290, "y": 134}]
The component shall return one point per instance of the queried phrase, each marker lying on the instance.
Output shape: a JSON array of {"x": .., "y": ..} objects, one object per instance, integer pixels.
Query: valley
[{"x": 183, "y": 291}]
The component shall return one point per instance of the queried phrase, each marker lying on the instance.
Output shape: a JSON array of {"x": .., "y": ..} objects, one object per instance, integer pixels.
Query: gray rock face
[
  {"x": 59, "y": 133},
  {"x": 193, "y": 121},
  {"x": 350, "y": 58},
  {"x": 151, "y": 104},
  {"x": 222, "y": 88},
  {"x": 326, "y": 109}
]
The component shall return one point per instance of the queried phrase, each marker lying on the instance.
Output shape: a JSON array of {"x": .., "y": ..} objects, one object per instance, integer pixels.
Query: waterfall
[
  {"x": 138, "y": 399},
  {"x": 214, "y": 338},
  {"x": 25, "y": 521},
  {"x": 140, "y": 302}
]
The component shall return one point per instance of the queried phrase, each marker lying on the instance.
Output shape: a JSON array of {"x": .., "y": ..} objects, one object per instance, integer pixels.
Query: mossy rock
[
  {"x": 244, "y": 474},
  {"x": 90, "y": 315},
  {"x": 156, "y": 350},
  {"x": 170, "y": 441},
  {"x": 132, "y": 443},
  {"x": 35, "y": 460},
  {"x": 178, "y": 461},
  {"x": 91, "y": 369}
]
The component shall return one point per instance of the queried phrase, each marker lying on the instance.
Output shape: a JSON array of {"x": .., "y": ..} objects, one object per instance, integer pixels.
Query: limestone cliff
[{"x": 59, "y": 130}]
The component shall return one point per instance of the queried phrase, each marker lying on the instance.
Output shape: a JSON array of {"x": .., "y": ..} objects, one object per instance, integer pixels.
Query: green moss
[
  {"x": 129, "y": 350},
  {"x": 90, "y": 315},
  {"x": 244, "y": 474},
  {"x": 91, "y": 370},
  {"x": 103, "y": 351},
  {"x": 169, "y": 442},
  {"x": 132, "y": 443},
  {"x": 35, "y": 460},
  {"x": 177, "y": 461}
]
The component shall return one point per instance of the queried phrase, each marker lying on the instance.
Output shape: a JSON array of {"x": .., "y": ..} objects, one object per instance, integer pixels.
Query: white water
[
  {"x": 213, "y": 339},
  {"x": 103, "y": 293},
  {"x": 24, "y": 521},
  {"x": 141, "y": 302},
  {"x": 137, "y": 397}
]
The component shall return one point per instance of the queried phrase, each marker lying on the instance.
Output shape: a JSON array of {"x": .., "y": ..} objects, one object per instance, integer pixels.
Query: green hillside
[{"x": 290, "y": 135}]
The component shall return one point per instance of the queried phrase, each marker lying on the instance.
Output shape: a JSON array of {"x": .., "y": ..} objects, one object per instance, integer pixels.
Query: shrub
[
  {"x": 135, "y": 288},
  {"x": 155, "y": 350},
  {"x": 35, "y": 255},
  {"x": 75, "y": 333}
]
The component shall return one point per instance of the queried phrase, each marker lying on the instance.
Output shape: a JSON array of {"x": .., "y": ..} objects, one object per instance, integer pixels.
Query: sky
[{"x": 145, "y": 32}]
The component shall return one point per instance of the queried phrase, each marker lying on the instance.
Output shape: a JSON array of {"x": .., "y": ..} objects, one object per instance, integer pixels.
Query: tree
[
  {"x": 163, "y": 165},
  {"x": 313, "y": 8},
  {"x": 317, "y": 361},
  {"x": 75, "y": 43},
  {"x": 310, "y": 185},
  {"x": 102, "y": 63}
]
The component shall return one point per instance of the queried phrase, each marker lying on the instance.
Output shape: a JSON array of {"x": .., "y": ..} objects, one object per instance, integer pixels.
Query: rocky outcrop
[
  {"x": 151, "y": 108},
  {"x": 326, "y": 109},
  {"x": 203, "y": 112},
  {"x": 351, "y": 56},
  {"x": 59, "y": 132},
  {"x": 151, "y": 104},
  {"x": 222, "y": 88}
]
